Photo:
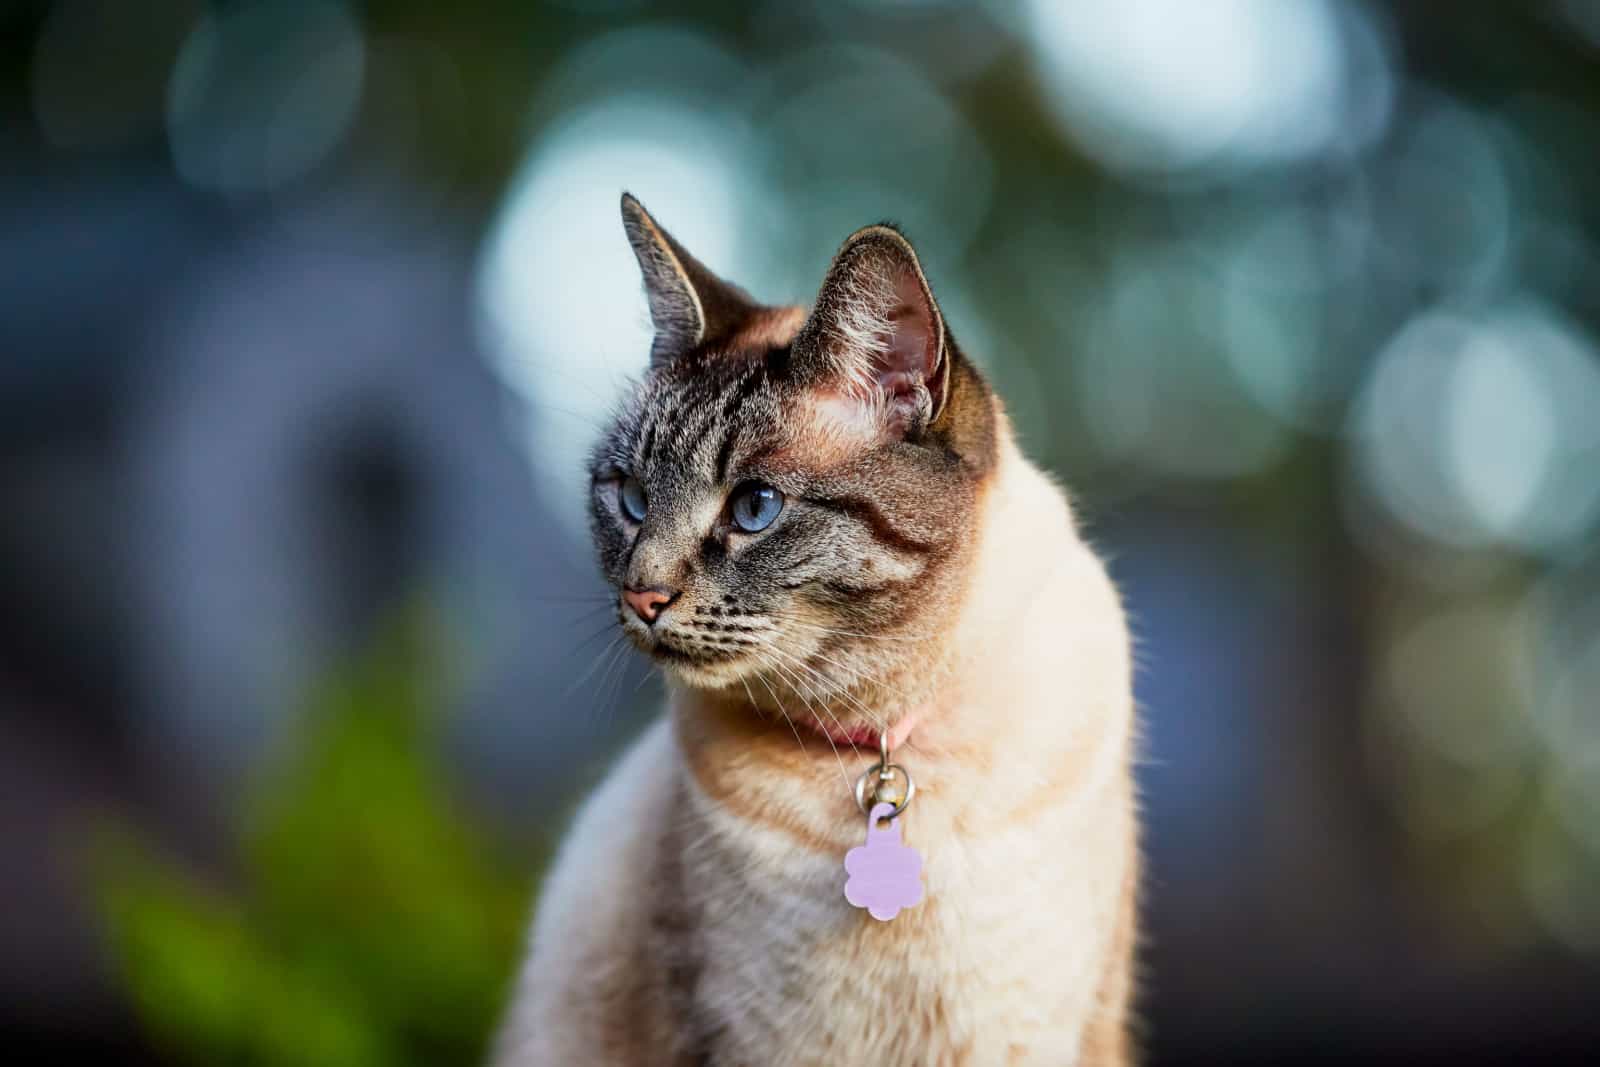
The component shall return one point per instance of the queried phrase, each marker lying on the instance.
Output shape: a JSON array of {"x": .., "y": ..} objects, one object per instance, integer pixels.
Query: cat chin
[
  {"x": 713, "y": 678},
  {"x": 702, "y": 674}
]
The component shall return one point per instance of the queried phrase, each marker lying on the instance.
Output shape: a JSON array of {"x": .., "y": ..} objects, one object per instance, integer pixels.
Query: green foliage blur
[{"x": 373, "y": 923}]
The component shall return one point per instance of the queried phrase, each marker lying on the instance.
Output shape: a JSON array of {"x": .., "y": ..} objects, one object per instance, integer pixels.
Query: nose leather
[{"x": 648, "y": 603}]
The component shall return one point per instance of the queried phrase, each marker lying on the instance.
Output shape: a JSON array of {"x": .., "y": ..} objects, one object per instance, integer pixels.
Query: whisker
[
  {"x": 877, "y": 720},
  {"x": 584, "y": 617},
  {"x": 611, "y": 685},
  {"x": 585, "y": 640},
  {"x": 584, "y": 677},
  {"x": 781, "y": 709},
  {"x": 587, "y": 420},
  {"x": 796, "y": 620},
  {"x": 792, "y": 726},
  {"x": 556, "y": 367},
  {"x": 649, "y": 673},
  {"x": 799, "y": 664},
  {"x": 844, "y": 775}
]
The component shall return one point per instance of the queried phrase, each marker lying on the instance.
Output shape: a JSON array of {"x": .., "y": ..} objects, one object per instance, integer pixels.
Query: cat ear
[
  {"x": 877, "y": 334},
  {"x": 688, "y": 304}
]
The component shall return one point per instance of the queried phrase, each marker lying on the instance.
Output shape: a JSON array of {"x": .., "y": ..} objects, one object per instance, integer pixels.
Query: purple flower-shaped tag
[{"x": 885, "y": 875}]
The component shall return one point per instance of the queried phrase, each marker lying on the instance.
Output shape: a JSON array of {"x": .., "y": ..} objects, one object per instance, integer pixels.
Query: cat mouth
[
  {"x": 673, "y": 651},
  {"x": 665, "y": 652}
]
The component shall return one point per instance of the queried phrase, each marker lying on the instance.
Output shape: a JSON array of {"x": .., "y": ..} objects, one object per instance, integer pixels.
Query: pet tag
[{"x": 885, "y": 874}]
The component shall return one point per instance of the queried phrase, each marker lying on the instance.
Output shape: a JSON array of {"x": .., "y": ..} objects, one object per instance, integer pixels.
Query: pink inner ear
[
  {"x": 912, "y": 351},
  {"x": 871, "y": 351},
  {"x": 905, "y": 366}
]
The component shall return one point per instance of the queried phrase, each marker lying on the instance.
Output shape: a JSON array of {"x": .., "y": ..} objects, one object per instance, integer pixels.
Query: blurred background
[{"x": 308, "y": 311}]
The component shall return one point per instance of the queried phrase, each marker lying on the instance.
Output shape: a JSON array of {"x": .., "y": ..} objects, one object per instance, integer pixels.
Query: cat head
[{"x": 787, "y": 499}]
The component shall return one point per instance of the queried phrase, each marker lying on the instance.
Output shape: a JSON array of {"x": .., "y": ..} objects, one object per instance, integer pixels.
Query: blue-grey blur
[{"x": 310, "y": 310}]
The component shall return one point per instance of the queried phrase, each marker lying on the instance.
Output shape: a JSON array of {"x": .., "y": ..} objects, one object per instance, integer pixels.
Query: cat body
[{"x": 696, "y": 914}]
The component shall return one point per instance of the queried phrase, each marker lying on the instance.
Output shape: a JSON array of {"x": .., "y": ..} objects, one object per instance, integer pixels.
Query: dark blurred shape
[{"x": 98, "y": 79}]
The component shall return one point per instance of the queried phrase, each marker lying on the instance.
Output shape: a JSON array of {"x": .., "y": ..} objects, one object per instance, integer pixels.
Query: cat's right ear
[{"x": 689, "y": 305}]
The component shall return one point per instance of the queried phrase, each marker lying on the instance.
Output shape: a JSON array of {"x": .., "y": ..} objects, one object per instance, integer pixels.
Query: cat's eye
[
  {"x": 754, "y": 506},
  {"x": 630, "y": 495}
]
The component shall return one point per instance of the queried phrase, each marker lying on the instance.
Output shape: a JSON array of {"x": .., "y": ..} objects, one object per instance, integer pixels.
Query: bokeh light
[
  {"x": 1479, "y": 430},
  {"x": 1154, "y": 376},
  {"x": 835, "y": 164},
  {"x": 1444, "y": 214},
  {"x": 1164, "y": 86},
  {"x": 563, "y": 310}
]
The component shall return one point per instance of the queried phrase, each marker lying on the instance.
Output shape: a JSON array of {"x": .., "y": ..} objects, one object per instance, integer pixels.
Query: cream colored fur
[{"x": 714, "y": 852}]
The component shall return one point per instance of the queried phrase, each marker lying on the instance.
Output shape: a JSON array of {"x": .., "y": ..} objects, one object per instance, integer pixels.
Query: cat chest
[{"x": 979, "y": 971}]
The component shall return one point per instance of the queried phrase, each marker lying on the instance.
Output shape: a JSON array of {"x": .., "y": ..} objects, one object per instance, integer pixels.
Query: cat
[{"x": 819, "y": 524}]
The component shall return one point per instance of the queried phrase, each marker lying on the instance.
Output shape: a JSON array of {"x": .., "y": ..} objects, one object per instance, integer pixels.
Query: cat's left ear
[
  {"x": 689, "y": 305},
  {"x": 877, "y": 334}
]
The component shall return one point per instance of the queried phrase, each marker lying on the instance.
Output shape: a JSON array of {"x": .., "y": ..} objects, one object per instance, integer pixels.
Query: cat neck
[{"x": 1026, "y": 555}]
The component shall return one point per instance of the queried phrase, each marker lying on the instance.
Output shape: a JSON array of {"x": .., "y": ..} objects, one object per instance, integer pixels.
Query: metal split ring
[{"x": 884, "y": 773}]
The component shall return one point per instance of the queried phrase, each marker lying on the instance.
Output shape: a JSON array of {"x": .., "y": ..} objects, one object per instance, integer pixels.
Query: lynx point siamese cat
[{"x": 819, "y": 524}]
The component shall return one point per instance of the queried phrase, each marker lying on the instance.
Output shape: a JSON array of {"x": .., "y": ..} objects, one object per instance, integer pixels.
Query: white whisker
[
  {"x": 877, "y": 720},
  {"x": 584, "y": 677},
  {"x": 799, "y": 690}
]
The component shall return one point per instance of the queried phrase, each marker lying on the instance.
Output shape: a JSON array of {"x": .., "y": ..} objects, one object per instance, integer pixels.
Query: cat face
[{"x": 785, "y": 495}]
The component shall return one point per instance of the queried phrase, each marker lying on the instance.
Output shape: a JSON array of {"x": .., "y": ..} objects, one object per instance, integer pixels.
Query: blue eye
[
  {"x": 754, "y": 506},
  {"x": 630, "y": 494}
]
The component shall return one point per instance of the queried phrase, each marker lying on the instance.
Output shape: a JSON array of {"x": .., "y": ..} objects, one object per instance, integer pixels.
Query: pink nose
[{"x": 647, "y": 603}]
